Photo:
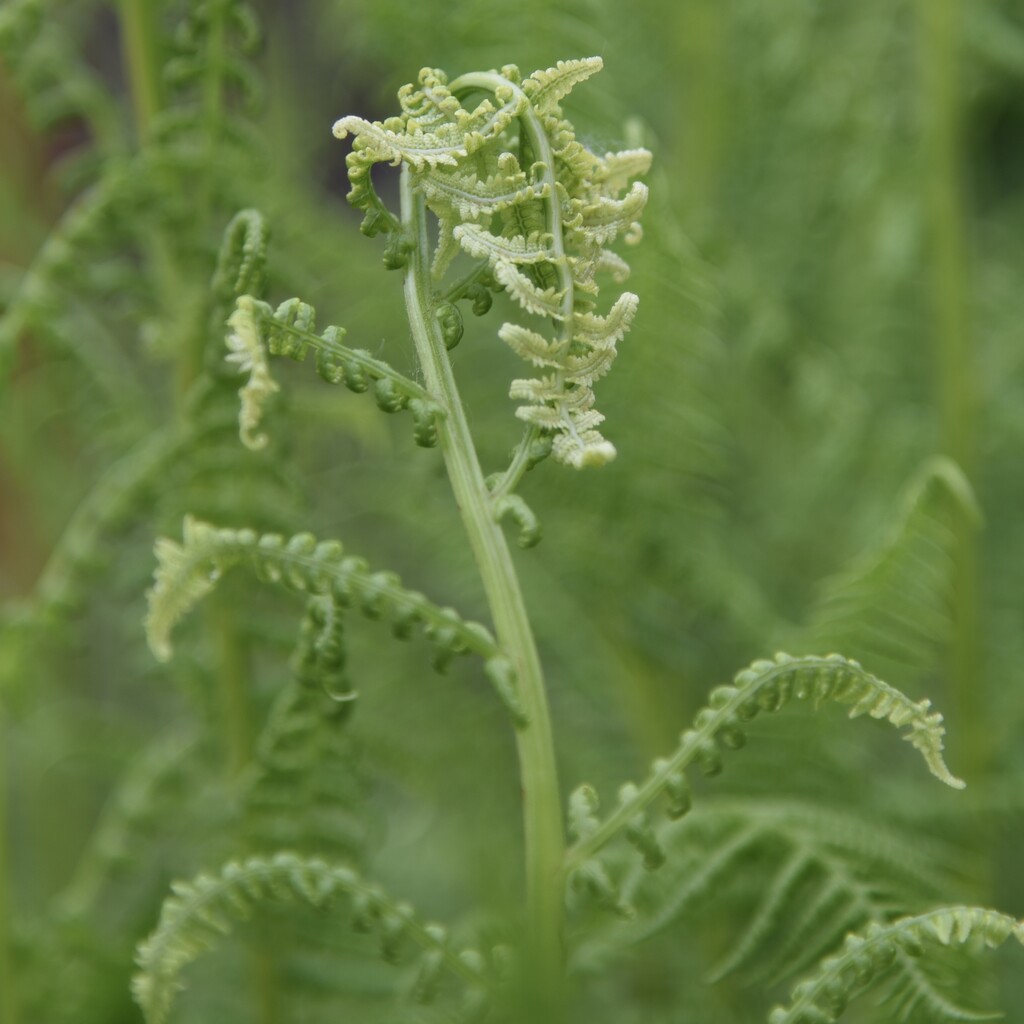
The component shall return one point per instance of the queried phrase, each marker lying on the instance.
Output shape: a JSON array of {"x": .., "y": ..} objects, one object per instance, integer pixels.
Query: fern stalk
[
  {"x": 233, "y": 681},
  {"x": 8, "y": 1000},
  {"x": 139, "y": 44},
  {"x": 544, "y": 836},
  {"x": 941, "y": 29}
]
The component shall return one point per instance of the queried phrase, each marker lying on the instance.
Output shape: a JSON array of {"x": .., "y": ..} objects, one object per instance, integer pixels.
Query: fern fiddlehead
[
  {"x": 540, "y": 222},
  {"x": 289, "y": 331}
]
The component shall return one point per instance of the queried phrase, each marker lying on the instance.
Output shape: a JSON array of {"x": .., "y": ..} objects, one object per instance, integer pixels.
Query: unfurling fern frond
[
  {"x": 822, "y": 998},
  {"x": 187, "y": 572},
  {"x": 242, "y": 260},
  {"x": 257, "y": 329},
  {"x": 307, "y": 784},
  {"x": 892, "y": 604},
  {"x": 764, "y": 686},
  {"x": 513, "y": 188},
  {"x": 202, "y": 911}
]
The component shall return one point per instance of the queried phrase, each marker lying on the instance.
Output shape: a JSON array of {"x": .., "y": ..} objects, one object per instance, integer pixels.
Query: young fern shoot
[
  {"x": 497, "y": 194},
  {"x": 534, "y": 212}
]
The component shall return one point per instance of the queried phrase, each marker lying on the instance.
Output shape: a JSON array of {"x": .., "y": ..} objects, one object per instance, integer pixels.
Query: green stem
[
  {"x": 942, "y": 89},
  {"x": 544, "y": 838},
  {"x": 232, "y": 677},
  {"x": 139, "y": 45},
  {"x": 702, "y": 27},
  {"x": 8, "y": 999}
]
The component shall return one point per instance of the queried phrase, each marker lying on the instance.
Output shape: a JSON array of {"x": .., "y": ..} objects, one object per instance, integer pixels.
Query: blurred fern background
[{"x": 819, "y": 416}]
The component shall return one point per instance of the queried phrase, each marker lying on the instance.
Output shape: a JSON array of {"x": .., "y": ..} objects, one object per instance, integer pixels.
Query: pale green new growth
[
  {"x": 204, "y": 910},
  {"x": 290, "y": 331},
  {"x": 822, "y": 998},
  {"x": 540, "y": 221},
  {"x": 250, "y": 356}
]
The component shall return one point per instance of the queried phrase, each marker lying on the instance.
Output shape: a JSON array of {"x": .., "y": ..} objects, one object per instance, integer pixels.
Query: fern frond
[
  {"x": 247, "y": 352},
  {"x": 202, "y": 911},
  {"x": 547, "y": 89},
  {"x": 256, "y": 329},
  {"x": 541, "y": 302},
  {"x": 56, "y": 84},
  {"x": 822, "y": 998},
  {"x": 241, "y": 261},
  {"x": 41, "y": 286},
  {"x": 769, "y": 686},
  {"x": 542, "y": 223},
  {"x": 892, "y": 604},
  {"x": 815, "y": 873},
  {"x": 516, "y": 249},
  {"x": 471, "y": 197},
  {"x": 187, "y": 572}
]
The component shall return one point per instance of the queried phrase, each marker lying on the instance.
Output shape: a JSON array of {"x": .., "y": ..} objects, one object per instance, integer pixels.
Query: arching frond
[
  {"x": 188, "y": 571},
  {"x": 256, "y": 330},
  {"x": 807, "y": 874},
  {"x": 767, "y": 686},
  {"x": 202, "y": 911}
]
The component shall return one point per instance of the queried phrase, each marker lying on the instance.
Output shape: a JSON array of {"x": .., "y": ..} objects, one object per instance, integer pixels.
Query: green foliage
[
  {"x": 823, "y": 996},
  {"x": 202, "y": 911},
  {"x": 807, "y": 285}
]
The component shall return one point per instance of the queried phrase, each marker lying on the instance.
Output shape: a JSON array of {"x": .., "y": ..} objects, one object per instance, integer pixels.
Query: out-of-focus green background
[{"x": 830, "y": 287}]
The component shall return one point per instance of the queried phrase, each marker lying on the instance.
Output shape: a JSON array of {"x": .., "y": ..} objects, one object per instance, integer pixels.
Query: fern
[
  {"x": 201, "y": 911},
  {"x": 289, "y": 332},
  {"x": 762, "y": 351},
  {"x": 891, "y": 606},
  {"x": 188, "y": 572},
  {"x": 721, "y": 726},
  {"x": 822, "y": 998},
  {"x": 541, "y": 227}
]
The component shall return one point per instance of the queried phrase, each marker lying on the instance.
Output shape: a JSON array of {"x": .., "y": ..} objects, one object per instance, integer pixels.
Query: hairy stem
[{"x": 542, "y": 814}]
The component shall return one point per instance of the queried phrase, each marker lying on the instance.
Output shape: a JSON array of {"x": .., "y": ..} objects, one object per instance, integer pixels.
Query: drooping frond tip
[
  {"x": 514, "y": 189},
  {"x": 247, "y": 351},
  {"x": 766, "y": 686}
]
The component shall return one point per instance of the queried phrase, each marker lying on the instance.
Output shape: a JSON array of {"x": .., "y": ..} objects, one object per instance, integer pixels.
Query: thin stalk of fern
[
  {"x": 8, "y": 997},
  {"x": 140, "y": 45},
  {"x": 703, "y": 33},
  {"x": 233, "y": 684},
  {"x": 544, "y": 836},
  {"x": 956, "y": 376}
]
